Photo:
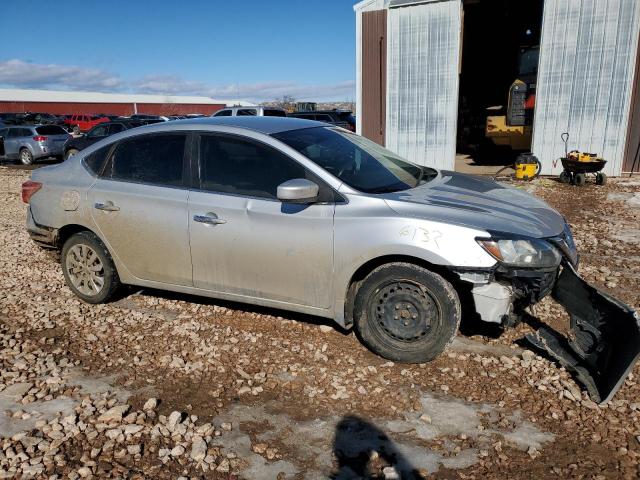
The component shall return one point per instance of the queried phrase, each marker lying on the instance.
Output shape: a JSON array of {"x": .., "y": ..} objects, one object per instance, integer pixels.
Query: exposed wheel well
[
  {"x": 362, "y": 272},
  {"x": 65, "y": 232}
]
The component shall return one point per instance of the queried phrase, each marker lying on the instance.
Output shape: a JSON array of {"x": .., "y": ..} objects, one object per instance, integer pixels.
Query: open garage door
[
  {"x": 585, "y": 78},
  {"x": 423, "y": 51}
]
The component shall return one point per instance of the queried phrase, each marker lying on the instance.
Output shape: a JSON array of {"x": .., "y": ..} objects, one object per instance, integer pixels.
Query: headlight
[{"x": 523, "y": 253}]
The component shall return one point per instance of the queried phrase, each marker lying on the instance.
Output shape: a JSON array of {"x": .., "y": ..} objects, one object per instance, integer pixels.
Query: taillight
[
  {"x": 28, "y": 189},
  {"x": 40, "y": 138}
]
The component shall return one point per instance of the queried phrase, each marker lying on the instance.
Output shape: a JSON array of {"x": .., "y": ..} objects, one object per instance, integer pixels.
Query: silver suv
[
  {"x": 256, "y": 111},
  {"x": 28, "y": 143},
  {"x": 308, "y": 217}
]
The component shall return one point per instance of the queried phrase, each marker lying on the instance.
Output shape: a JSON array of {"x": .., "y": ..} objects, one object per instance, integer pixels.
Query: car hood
[{"x": 479, "y": 203}]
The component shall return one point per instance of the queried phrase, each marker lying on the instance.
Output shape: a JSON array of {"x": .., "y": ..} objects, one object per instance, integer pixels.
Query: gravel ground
[{"x": 160, "y": 385}]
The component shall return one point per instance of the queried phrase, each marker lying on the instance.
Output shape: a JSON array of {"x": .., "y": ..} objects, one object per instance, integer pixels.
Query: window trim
[
  {"x": 186, "y": 160},
  {"x": 338, "y": 198}
]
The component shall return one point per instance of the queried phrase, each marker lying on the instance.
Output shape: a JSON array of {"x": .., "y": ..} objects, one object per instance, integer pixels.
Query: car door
[
  {"x": 244, "y": 241},
  {"x": 3, "y": 135},
  {"x": 139, "y": 204},
  {"x": 12, "y": 142}
]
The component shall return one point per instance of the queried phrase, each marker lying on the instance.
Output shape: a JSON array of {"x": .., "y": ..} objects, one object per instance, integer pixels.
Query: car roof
[{"x": 266, "y": 125}]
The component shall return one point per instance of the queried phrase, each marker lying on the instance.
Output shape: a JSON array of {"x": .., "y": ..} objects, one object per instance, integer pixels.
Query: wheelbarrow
[{"x": 577, "y": 166}]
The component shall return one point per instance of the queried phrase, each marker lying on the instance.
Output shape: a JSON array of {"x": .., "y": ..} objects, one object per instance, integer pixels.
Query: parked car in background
[
  {"x": 28, "y": 143},
  {"x": 9, "y": 118},
  {"x": 144, "y": 116},
  {"x": 250, "y": 112},
  {"x": 33, "y": 118},
  {"x": 339, "y": 118},
  {"x": 83, "y": 123},
  {"x": 75, "y": 144}
]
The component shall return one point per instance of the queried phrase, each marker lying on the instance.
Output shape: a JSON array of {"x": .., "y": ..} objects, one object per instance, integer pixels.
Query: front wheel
[
  {"x": 406, "y": 313},
  {"x": 565, "y": 177},
  {"x": 88, "y": 268},
  {"x": 601, "y": 179},
  {"x": 579, "y": 179}
]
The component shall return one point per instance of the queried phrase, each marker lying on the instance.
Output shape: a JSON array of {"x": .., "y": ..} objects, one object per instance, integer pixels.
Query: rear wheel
[
  {"x": 406, "y": 313},
  {"x": 601, "y": 179},
  {"x": 26, "y": 157},
  {"x": 565, "y": 177},
  {"x": 88, "y": 268},
  {"x": 70, "y": 153},
  {"x": 579, "y": 179}
]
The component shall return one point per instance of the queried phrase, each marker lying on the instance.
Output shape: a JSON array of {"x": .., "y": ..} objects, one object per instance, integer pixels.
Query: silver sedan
[{"x": 302, "y": 216}]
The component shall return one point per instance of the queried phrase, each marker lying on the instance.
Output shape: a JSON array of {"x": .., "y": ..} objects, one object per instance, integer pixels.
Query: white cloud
[
  {"x": 17, "y": 73},
  {"x": 254, "y": 91},
  {"x": 22, "y": 74}
]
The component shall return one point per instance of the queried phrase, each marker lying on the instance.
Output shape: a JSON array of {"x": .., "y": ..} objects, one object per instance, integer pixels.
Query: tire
[
  {"x": 76, "y": 269},
  {"x": 25, "y": 156},
  {"x": 601, "y": 179},
  {"x": 565, "y": 177},
  {"x": 427, "y": 307},
  {"x": 70, "y": 153},
  {"x": 579, "y": 179}
]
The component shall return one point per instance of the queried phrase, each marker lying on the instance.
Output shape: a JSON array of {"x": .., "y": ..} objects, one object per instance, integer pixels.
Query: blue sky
[{"x": 252, "y": 49}]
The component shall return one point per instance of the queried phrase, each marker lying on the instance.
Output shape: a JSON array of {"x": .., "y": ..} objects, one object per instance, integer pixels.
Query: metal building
[
  {"x": 409, "y": 59},
  {"x": 68, "y": 102}
]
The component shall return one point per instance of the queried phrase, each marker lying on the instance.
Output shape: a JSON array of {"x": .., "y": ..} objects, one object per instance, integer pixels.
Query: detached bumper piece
[{"x": 604, "y": 340}]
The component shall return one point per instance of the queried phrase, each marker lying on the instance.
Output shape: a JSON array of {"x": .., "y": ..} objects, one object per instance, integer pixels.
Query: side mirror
[{"x": 298, "y": 190}]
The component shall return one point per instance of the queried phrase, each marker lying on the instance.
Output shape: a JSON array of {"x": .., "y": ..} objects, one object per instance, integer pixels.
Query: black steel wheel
[
  {"x": 565, "y": 177},
  {"x": 406, "y": 313},
  {"x": 579, "y": 179}
]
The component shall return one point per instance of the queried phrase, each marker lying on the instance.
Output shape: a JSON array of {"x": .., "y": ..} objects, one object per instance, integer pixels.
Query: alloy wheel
[{"x": 85, "y": 269}]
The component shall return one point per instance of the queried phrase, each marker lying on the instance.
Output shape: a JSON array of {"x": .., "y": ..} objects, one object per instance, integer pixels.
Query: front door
[
  {"x": 244, "y": 241},
  {"x": 140, "y": 207}
]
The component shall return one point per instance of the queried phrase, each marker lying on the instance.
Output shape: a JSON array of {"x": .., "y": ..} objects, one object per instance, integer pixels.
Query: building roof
[{"x": 59, "y": 96}]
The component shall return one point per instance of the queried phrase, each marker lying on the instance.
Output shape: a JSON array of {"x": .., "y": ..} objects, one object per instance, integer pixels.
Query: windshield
[{"x": 358, "y": 162}]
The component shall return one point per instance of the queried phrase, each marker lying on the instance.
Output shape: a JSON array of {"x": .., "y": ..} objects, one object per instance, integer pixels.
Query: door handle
[
  {"x": 107, "y": 207},
  {"x": 209, "y": 219}
]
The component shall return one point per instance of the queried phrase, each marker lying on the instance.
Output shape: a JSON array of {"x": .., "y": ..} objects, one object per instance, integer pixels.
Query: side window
[
  {"x": 3, "y": 132},
  {"x": 223, "y": 113},
  {"x": 99, "y": 131},
  {"x": 243, "y": 167},
  {"x": 115, "y": 128},
  {"x": 156, "y": 159},
  {"x": 13, "y": 132},
  {"x": 251, "y": 112},
  {"x": 94, "y": 161}
]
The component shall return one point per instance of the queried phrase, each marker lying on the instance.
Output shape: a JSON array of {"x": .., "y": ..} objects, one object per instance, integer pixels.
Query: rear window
[
  {"x": 50, "y": 130},
  {"x": 274, "y": 113},
  {"x": 95, "y": 160}
]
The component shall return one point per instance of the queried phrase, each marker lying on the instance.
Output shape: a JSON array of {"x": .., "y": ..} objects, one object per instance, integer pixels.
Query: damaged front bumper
[{"x": 604, "y": 337}]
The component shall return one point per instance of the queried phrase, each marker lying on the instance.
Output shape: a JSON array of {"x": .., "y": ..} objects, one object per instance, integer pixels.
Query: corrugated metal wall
[
  {"x": 374, "y": 75},
  {"x": 423, "y": 52},
  {"x": 632, "y": 150},
  {"x": 584, "y": 85}
]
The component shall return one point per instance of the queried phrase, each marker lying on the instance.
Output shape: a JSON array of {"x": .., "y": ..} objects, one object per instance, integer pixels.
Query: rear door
[
  {"x": 12, "y": 142},
  {"x": 255, "y": 245},
  {"x": 139, "y": 204}
]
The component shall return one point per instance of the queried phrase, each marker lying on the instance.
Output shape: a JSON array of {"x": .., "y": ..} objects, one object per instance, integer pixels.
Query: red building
[{"x": 62, "y": 102}]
